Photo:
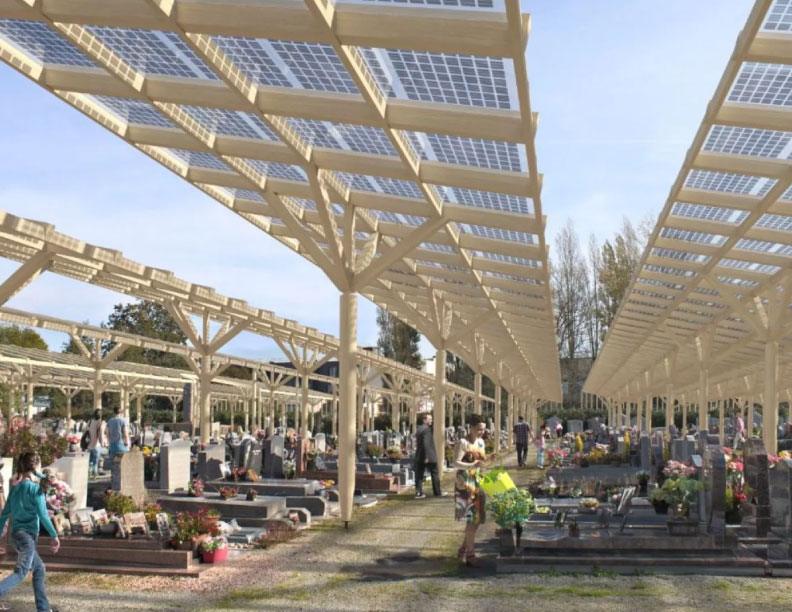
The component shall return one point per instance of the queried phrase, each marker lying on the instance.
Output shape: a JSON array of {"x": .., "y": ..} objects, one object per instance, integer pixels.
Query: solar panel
[
  {"x": 488, "y": 200},
  {"x": 709, "y": 213},
  {"x": 749, "y": 265},
  {"x": 282, "y": 171},
  {"x": 396, "y": 187},
  {"x": 520, "y": 261},
  {"x": 200, "y": 160},
  {"x": 247, "y": 194},
  {"x": 39, "y": 41},
  {"x": 689, "y": 236},
  {"x": 477, "y": 152},
  {"x": 466, "y": 4},
  {"x": 312, "y": 66},
  {"x": 359, "y": 138},
  {"x": 779, "y": 17},
  {"x": 443, "y": 77},
  {"x": 231, "y": 123},
  {"x": 400, "y": 218},
  {"x": 749, "y": 141},
  {"x": 154, "y": 52},
  {"x": 727, "y": 182},
  {"x": 135, "y": 111},
  {"x": 759, "y": 83},
  {"x": 681, "y": 255},
  {"x": 776, "y": 222},
  {"x": 496, "y": 233},
  {"x": 669, "y": 270}
]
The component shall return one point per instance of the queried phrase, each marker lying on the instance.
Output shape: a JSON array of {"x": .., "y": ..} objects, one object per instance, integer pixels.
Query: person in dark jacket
[{"x": 426, "y": 458}]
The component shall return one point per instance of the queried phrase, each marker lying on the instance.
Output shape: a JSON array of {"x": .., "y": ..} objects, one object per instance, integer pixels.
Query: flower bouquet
[
  {"x": 588, "y": 505},
  {"x": 395, "y": 453},
  {"x": 57, "y": 494},
  {"x": 195, "y": 488},
  {"x": 227, "y": 492}
]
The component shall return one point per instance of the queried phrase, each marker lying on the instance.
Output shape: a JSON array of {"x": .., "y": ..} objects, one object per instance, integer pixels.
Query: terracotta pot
[{"x": 215, "y": 556}]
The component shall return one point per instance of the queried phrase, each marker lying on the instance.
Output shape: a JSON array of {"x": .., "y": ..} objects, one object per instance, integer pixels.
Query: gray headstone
[
  {"x": 701, "y": 510},
  {"x": 658, "y": 463},
  {"x": 127, "y": 475},
  {"x": 715, "y": 488},
  {"x": 320, "y": 442},
  {"x": 620, "y": 445},
  {"x": 758, "y": 478},
  {"x": 75, "y": 469},
  {"x": 187, "y": 402},
  {"x": 551, "y": 423},
  {"x": 254, "y": 457},
  {"x": 575, "y": 425},
  {"x": 646, "y": 453},
  {"x": 272, "y": 457},
  {"x": 209, "y": 461},
  {"x": 781, "y": 495},
  {"x": 175, "y": 466}
]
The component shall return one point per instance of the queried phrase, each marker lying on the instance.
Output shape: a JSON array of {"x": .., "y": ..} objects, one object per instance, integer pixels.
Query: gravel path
[{"x": 399, "y": 555}]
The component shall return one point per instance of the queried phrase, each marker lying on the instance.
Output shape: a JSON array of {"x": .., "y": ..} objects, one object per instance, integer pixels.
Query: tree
[
  {"x": 593, "y": 290},
  {"x": 26, "y": 338},
  {"x": 568, "y": 276},
  {"x": 151, "y": 320},
  {"x": 398, "y": 341},
  {"x": 620, "y": 260}
]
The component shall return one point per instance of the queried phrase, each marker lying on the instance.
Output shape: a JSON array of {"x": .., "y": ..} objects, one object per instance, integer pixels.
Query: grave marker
[
  {"x": 781, "y": 495},
  {"x": 715, "y": 488},
  {"x": 175, "y": 466},
  {"x": 758, "y": 478},
  {"x": 210, "y": 460},
  {"x": 74, "y": 467},
  {"x": 127, "y": 475}
]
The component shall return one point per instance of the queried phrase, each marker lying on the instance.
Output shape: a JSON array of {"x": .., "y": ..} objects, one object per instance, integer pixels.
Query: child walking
[{"x": 28, "y": 510}]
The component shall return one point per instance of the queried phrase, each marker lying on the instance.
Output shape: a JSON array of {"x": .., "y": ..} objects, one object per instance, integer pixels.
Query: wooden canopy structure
[
  {"x": 391, "y": 145},
  {"x": 707, "y": 315}
]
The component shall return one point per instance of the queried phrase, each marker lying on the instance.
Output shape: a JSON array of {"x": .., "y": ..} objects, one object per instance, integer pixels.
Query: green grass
[
  {"x": 719, "y": 586},
  {"x": 581, "y": 591},
  {"x": 254, "y": 594}
]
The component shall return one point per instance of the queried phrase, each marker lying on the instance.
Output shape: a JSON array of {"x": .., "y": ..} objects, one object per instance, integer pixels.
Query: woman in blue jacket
[{"x": 27, "y": 508}]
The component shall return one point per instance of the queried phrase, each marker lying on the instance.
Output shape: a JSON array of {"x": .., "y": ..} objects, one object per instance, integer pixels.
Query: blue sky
[{"x": 620, "y": 87}]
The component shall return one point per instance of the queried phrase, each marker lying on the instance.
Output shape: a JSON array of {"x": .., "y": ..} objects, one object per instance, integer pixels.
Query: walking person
[
  {"x": 97, "y": 440},
  {"x": 117, "y": 434},
  {"x": 521, "y": 433},
  {"x": 27, "y": 508},
  {"x": 426, "y": 458},
  {"x": 540, "y": 446},
  {"x": 469, "y": 499}
]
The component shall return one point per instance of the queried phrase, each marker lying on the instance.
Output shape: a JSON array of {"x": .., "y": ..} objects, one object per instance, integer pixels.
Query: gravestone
[
  {"x": 658, "y": 463},
  {"x": 210, "y": 460},
  {"x": 253, "y": 457},
  {"x": 187, "y": 402},
  {"x": 757, "y": 476},
  {"x": 575, "y": 426},
  {"x": 127, "y": 475},
  {"x": 715, "y": 488},
  {"x": 272, "y": 457},
  {"x": 701, "y": 511},
  {"x": 620, "y": 446},
  {"x": 781, "y": 495},
  {"x": 551, "y": 423},
  {"x": 148, "y": 438},
  {"x": 75, "y": 470},
  {"x": 646, "y": 453},
  {"x": 320, "y": 443},
  {"x": 175, "y": 466}
]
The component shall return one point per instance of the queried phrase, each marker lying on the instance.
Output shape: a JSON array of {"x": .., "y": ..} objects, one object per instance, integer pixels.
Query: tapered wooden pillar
[
  {"x": 770, "y": 406},
  {"x": 438, "y": 417},
  {"x": 347, "y": 379}
]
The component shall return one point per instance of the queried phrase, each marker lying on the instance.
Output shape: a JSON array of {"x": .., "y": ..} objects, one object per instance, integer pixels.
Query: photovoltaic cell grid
[
  {"x": 154, "y": 52},
  {"x": 710, "y": 213},
  {"x": 200, "y": 160},
  {"x": 42, "y": 43},
  {"x": 439, "y": 77},
  {"x": 763, "y": 84},
  {"x": 749, "y": 141},
  {"x": 359, "y": 138},
  {"x": 728, "y": 183},
  {"x": 689, "y": 236},
  {"x": 761, "y": 246},
  {"x": 496, "y": 233},
  {"x": 467, "y": 4},
  {"x": 135, "y": 111},
  {"x": 231, "y": 123},
  {"x": 681, "y": 255},
  {"x": 396, "y": 187},
  {"x": 488, "y": 200},
  {"x": 493, "y": 154},
  {"x": 779, "y": 17},
  {"x": 282, "y": 171}
]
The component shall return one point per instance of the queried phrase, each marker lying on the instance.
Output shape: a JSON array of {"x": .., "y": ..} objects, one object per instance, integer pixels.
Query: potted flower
[
  {"x": 227, "y": 492},
  {"x": 251, "y": 494},
  {"x": 106, "y": 525},
  {"x": 74, "y": 442},
  {"x": 374, "y": 451},
  {"x": 680, "y": 494},
  {"x": 643, "y": 481},
  {"x": 395, "y": 453},
  {"x": 510, "y": 509},
  {"x": 289, "y": 468},
  {"x": 214, "y": 550},
  {"x": 195, "y": 488},
  {"x": 188, "y": 527},
  {"x": 588, "y": 505},
  {"x": 151, "y": 511}
]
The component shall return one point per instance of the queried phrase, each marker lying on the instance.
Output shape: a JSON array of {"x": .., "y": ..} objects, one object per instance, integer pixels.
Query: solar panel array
[
  {"x": 415, "y": 124},
  {"x": 718, "y": 263}
]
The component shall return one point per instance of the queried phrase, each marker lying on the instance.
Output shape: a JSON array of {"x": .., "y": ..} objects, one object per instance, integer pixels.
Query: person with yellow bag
[{"x": 469, "y": 498}]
